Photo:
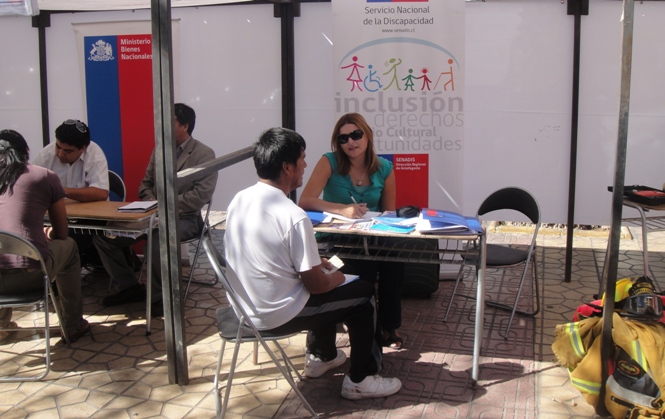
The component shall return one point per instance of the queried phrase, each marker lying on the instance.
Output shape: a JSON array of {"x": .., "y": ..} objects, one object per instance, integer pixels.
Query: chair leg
[
  {"x": 218, "y": 404},
  {"x": 229, "y": 379},
  {"x": 452, "y": 296},
  {"x": 58, "y": 309},
  {"x": 47, "y": 351},
  {"x": 288, "y": 362},
  {"x": 519, "y": 293},
  {"x": 288, "y": 378},
  {"x": 191, "y": 272}
]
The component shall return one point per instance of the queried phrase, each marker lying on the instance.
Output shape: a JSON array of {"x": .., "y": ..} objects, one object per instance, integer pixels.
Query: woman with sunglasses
[{"x": 354, "y": 180}]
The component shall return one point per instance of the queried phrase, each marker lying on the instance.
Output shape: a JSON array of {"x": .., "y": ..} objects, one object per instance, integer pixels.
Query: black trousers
[{"x": 351, "y": 304}]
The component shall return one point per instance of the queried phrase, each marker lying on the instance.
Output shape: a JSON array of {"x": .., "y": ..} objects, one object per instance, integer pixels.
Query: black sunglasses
[
  {"x": 79, "y": 125},
  {"x": 354, "y": 135}
]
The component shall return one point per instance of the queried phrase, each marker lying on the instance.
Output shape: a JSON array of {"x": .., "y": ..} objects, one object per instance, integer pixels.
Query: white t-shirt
[
  {"x": 91, "y": 169},
  {"x": 268, "y": 241}
]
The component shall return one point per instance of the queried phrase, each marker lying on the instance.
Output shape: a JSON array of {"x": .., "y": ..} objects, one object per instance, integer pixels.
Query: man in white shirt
[
  {"x": 79, "y": 163},
  {"x": 83, "y": 171},
  {"x": 272, "y": 256}
]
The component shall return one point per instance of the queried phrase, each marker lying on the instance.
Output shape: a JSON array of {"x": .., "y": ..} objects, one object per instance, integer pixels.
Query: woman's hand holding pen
[
  {"x": 356, "y": 210},
  {"x": 352, "y": 210}
]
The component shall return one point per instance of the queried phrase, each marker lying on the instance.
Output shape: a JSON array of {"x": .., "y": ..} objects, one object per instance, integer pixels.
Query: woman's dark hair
[
  {"x": 14, "y": 155},
  {"x": 275, "y": 147},
  {"x": 343, "y": 162}
]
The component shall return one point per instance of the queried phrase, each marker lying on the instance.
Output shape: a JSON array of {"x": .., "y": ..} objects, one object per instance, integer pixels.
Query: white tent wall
[
  {"x": 519, "y": 77},
  {"x": 19, "y": 79},
  {"x": 599, "y": 105},
  {"x": 518, "y": 91}
]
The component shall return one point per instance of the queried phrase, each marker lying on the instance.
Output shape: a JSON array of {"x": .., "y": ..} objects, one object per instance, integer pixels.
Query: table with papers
[
  {"x": 367, "y": 244},
  {"x": 103, "y": 217}
]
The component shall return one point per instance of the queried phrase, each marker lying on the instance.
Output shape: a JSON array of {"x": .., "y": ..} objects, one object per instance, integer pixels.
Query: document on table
[
  {"x": 367, "y": 217},
  {"x": 348, "y": 279},
  {"x": 138, "y": 206}
]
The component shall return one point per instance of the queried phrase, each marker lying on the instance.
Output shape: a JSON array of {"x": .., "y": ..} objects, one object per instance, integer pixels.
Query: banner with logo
[
  {"x": 400, "y": 63},
  {"x": 117, "y": 63},
  {"x": 19, "y": 7}
]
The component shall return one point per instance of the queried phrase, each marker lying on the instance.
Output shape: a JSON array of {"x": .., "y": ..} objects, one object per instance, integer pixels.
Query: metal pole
[
  {"x": 607, "y": 345},
  {"x": 576, "y": 8},
  {"x": 165, "y": 176},
  {"x": 41, "y": 22},
  {"x": 287, "y": 11}
]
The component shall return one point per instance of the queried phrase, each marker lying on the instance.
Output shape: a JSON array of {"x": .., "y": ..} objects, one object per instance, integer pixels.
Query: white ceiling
[{"x": 91, "y": 5}]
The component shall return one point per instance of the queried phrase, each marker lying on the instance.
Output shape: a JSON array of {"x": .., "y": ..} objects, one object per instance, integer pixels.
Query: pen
[{"x": 352, "y": 198}]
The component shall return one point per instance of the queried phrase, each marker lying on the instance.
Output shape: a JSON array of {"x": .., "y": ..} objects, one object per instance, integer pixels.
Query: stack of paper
[
  {"x": 390, "y": 223},
  {"x": 139, "y": 206},
  {"x": 368, "y": 216},
  {"x": 446, "y": 222}
]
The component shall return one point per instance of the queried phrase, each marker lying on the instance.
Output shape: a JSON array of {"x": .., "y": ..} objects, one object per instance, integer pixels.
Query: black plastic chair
[
  {"x": 230, "y": 330},
  {"x": 117, "y": 186},
  {"x": 505, "y": 257},
  {"x": 16, "y": 245}
]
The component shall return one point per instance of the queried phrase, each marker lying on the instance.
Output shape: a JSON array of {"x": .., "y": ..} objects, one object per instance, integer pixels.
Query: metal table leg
[
  {"x": 480, "y": 308},
  {"x": 148, "y": 285}
]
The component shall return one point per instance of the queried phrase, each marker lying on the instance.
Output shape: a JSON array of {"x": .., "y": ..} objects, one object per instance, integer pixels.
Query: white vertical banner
[{"x": 400, "y": 64}]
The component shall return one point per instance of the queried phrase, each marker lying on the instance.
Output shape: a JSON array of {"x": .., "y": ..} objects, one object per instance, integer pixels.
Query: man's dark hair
[
  {"x": 275, "y": 147},
  {"x": 73, "y": 132},
  {"x": 14, "y": 155},
  {"x": 185, "y": 116}
]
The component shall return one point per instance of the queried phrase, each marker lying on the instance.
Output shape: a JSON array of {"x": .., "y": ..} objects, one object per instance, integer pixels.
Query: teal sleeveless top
[{"x": 339, "y": 186}]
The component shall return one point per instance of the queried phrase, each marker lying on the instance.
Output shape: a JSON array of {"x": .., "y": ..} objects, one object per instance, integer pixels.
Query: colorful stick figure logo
[{"x": 354, "y": 77}]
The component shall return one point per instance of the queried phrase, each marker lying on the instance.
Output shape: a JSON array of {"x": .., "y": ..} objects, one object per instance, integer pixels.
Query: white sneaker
[
  {"x": 315, "y": 368},
  {"x": 371, "y": 386}
]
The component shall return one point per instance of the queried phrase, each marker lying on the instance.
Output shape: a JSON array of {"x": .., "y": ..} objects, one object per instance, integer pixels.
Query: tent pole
[
  {"x": 287, "y": 12},
  {"x": 576, "y": 8},
  {"x": 165, "y": 176},
  {"x": 41, "y": 22},
  {"x": 607, "y": 345}
]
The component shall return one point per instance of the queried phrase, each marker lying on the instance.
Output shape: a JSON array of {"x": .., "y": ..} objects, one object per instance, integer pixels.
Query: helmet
[{"x": 644, "y": 306}]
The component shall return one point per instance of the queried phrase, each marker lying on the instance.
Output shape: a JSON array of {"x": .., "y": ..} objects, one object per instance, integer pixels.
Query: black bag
[{"x": 421, "y": 280}]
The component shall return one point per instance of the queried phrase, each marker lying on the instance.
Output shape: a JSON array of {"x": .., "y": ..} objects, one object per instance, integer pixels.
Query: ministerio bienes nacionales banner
[
  {"x": 400, "y": 64},
  {"x": 116, "y": 63},
  {"x": 118, "y": 79}
]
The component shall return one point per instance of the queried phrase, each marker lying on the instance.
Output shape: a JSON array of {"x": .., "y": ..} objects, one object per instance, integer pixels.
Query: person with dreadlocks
[{"x": 27, "y": 192}]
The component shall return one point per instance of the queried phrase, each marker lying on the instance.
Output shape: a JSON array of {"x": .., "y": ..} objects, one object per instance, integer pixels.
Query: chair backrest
[
  {"x": 14, "y": 244},
  {"x": 218, "y": 262},
  {"x": 512, "y": 198},
  {"x": 117, "y": 185}
]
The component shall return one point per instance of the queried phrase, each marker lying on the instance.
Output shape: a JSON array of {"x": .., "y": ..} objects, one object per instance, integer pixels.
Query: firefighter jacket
[{"x": 636, "y": 384}]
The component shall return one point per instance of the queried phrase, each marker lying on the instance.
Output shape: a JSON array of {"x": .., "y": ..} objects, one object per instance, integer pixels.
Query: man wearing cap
[{"x": 79, "y": 163}]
